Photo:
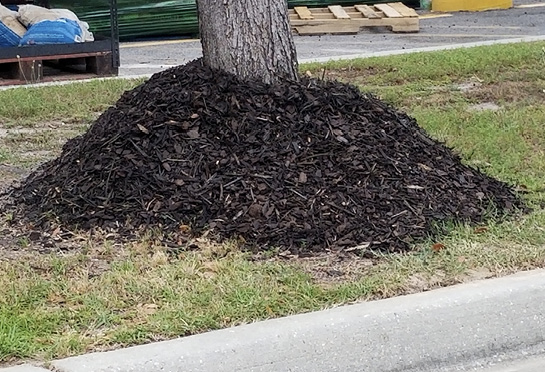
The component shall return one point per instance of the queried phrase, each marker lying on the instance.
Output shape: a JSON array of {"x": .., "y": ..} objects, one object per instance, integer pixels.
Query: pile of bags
[{"x": 35, "y": 25}]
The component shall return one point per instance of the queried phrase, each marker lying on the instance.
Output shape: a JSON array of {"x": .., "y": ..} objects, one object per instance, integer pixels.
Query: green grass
[
  {"x": 55, "y": 306},
  {"x": 508, "y": 144},
  {"x": 491, "y": 63},
  {"x": 103, "y": 295},
  {"x": 6, "y": 156},
  {"x": 79, "y": 101}
]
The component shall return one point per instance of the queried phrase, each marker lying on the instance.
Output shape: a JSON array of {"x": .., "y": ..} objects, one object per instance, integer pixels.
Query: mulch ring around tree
[{"x": 306, "y": 166}]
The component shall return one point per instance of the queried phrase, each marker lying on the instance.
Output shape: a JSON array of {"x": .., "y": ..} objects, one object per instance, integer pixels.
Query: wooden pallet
[
  {"x": 31, "y": 69},
  {"x": 336, "y": 19}
]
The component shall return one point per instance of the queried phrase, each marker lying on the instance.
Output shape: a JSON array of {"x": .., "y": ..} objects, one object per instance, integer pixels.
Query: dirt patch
[
  {"x": 485, "y": 106},
  {"x": 331, "y": 267},
  {"x": 478, "y": 274},
  {"x": 346, "y": 73},
  {"x": 508, "y": 92},
  {"x": 4, "y": 133},
  {"x": 12, "y": 170},
  {"x": 417, "y": 283},
  {"x": 10, "y": 174},
  {"x": 469, "y": 86},
  {"x": 308, "y": 166}
]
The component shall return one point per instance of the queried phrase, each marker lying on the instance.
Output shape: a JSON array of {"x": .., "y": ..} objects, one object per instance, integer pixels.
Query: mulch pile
[{"x": 306, "y": 166}]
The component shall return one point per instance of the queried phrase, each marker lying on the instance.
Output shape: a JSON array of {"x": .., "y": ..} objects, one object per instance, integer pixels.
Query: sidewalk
[{"x": 466, "y": 327}]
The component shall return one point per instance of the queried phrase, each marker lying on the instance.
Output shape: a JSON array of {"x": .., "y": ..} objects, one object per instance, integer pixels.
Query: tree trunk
[{"x": 249, "y": 38}]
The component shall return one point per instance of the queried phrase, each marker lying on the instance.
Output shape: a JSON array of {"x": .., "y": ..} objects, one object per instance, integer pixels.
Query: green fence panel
[{"x": 149, "y": 18}]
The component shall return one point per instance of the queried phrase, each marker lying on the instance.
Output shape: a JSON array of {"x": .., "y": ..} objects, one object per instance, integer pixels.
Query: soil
[{"x": 306, "y": 166}]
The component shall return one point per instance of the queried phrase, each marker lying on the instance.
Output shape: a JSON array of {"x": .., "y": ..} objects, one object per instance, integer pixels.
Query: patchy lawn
[{"x": 86, "y": 292}]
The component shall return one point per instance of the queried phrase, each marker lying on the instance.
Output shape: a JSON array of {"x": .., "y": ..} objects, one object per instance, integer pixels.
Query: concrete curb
[{"x": 438, "y": 330}]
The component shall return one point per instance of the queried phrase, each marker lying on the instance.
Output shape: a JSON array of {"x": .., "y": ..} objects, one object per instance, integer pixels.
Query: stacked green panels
[
  {"x": 149, "y": 18},
  {"x": 137, "y": 18}
]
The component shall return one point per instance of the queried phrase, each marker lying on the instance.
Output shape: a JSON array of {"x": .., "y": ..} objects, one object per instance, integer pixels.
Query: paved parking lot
[{"x": 527, "y": 18}]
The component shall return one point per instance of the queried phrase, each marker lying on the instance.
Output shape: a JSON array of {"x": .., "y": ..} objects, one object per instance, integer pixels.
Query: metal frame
[
  {"x": 114, "y": 34},
  {"x": 101, "y": 44}
]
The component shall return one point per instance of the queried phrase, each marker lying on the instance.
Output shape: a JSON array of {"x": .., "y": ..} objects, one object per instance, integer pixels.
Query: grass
[
  {"x": 99, "y": 295},
  {"x": 72, "y": 102},
  {"x": 511, "y": 142},
  {"x": 493, "y": 64}
]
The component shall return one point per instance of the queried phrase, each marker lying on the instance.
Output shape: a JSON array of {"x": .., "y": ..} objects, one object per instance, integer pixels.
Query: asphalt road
[{"x": 527, "y": 19}]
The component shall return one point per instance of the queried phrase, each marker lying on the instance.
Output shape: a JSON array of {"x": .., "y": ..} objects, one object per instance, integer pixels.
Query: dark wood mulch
[{"x": 306, "y": 166}]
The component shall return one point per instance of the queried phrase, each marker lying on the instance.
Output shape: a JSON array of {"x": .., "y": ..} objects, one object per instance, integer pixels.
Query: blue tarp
[{"x": 60, "y": 31}]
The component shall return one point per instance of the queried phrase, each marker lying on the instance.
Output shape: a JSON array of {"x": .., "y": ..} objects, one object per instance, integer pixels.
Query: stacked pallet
[{"x": 336, "y": 19}]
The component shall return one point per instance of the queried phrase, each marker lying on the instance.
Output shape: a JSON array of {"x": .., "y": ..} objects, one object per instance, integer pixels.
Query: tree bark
[{"x": 249, "y": 38}]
